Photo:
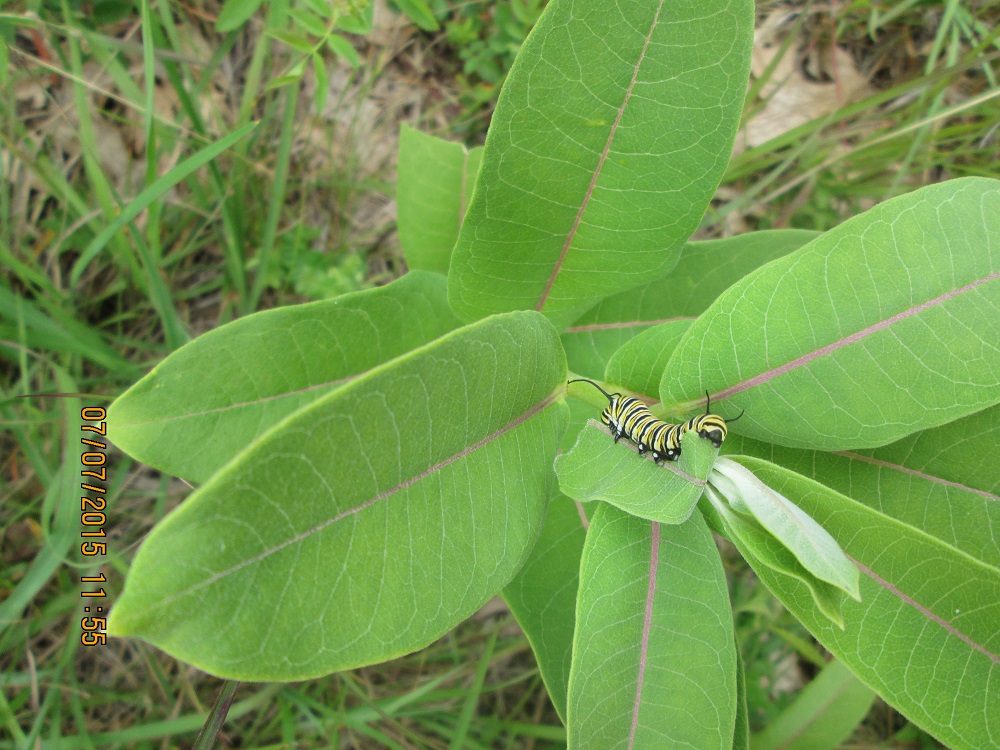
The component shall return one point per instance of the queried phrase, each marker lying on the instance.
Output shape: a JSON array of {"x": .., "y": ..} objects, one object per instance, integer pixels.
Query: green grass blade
[
  {"x": 154, "y": 192},
  {"x": 461, "y": 732}
]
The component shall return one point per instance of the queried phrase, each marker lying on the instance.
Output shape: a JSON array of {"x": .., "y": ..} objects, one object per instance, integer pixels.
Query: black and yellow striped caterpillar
[{"x": 630, "y": 418}]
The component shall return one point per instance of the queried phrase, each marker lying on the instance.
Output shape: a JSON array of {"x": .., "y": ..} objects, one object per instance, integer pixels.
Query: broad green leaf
[
  {"x": 436, "y": 178},
  {"x": 542, "y": 595},
  {"x": 759, "y": 547},
  {"x": 576, "y": 203},
  {"x": 811, "y": 544},
  {"x": 962, "y": 452},
  {"x": 599, "y": 469},
  {"x": 369, "y": 523},
  {"x": 235, "y": 13},
  {"x": 579, "y": 414},
  {"x": 924, "y": 635},
  {"x": 822, "y": 716},
  {"x": 704, "y": 271},
  {"x": 639, "y": 364},
  {"x": 211, "y": 398},
  {"x": 881, "y": 327},
  {"x": 654, "y": 656},
  {"x": 937, "y": 480}
]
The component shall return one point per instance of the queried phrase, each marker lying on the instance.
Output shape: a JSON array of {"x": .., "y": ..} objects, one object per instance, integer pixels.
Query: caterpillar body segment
[{"x": 628, "y": 417}]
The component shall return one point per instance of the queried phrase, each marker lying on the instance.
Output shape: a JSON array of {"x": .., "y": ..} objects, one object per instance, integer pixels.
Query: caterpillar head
[{"x": 712, "y": 427}]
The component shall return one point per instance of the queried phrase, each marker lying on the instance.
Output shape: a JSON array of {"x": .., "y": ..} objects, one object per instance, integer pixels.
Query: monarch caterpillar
[{"x": 630, "y": 418}]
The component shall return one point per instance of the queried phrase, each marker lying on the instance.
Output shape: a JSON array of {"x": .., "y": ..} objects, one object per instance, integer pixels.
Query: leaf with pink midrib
[
  {"x": 706, "y": 269},
  {"x": 368, "y": 524},
  {"x": 884, "y": 326},
  {"x": 654, "y": 660},
  {"x": 575, "y": 203},
  {"x": 927, "y": 615},
  {"x": 938, "y": 480}
]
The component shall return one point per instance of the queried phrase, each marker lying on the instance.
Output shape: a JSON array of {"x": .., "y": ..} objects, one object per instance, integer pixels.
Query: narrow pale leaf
[
  {"x": 211, "y": 398},
  {"x": 368, "y": 524},
  {"x": 937, "y": 481},
  {"x": 822, "y": 716},
  {"x": 436, "y": 178},
  {"x": 599, "y": 469},
  {"x": 576, "y": 203},
  {"x": 924, "y": 635},
  {"x": 542, "y": 595},
  {"x": 704, "y": 271},
  {"x": 654, "y": 656},
  {"x": 883, "y": 326},
  {"x": 811, "y": 544},
  {"x": 759, "y": 548}
]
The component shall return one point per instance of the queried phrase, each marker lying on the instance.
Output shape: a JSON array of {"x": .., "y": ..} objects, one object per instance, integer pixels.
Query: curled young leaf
[{"x": 811, "y": 544}]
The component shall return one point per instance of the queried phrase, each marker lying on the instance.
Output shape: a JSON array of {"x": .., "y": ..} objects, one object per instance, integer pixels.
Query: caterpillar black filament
[{"x": 630, "y": 418}]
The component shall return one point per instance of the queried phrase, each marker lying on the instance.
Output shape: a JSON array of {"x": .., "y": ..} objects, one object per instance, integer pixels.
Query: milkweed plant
[{"x": 371, "y": 469}]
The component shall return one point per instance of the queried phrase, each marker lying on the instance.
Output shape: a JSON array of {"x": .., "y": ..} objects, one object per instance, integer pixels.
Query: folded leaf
[
  {"x": 212, "y": 397},
  {"x": 599, "y": 469},
  {"x": 576, "y": 203},
  {"x": 368, "y": 524},
  {"x": 759, "y": 548},
  {"x": 811, "y": 544},
  {"x": 881, "y": 327},
  {"x": 654, "y": 656}
]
